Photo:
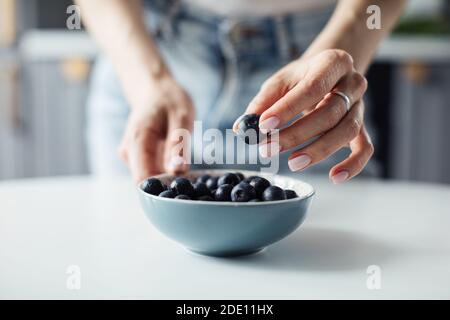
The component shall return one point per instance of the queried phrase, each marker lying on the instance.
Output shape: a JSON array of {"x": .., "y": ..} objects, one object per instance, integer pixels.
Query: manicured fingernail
[
  {"x": 176, "y": 162},
  {"x": 236, "y": 123},
  {"x": 340, "y": 177},
  {"x": 269, "y": 149},
  {"x": 269, "y": 124},
  {"x": 299, "y": 163}
]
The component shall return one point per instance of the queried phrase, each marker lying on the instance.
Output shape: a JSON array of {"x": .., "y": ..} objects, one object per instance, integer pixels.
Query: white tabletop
[{"x": 48, "y": 225}]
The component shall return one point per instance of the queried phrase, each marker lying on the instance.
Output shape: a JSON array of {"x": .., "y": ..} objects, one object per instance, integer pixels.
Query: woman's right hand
[
  {"x": 158, "y": 104},
  {"x": 157, "y": 111}
]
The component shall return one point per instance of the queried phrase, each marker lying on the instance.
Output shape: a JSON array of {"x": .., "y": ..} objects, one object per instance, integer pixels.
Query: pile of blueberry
[{"x": 229, "y": 187}]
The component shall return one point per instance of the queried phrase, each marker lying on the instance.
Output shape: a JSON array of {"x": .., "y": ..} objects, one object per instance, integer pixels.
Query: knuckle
[
  {"x": 277, "y": 79},
  {"x": 322, "y": 151},
  {"x": 353, "y": 127},
  {"x": 266, "y": 84},
  {"x": 316, "y": 87},
  {"x": 370, "y": 149},
  {"x": 288, "y": 106},
  {"x": 361, "y": 81},
  {"x": 183, "y": 117},
  {"x": 360, "y": 162},
  {"x": 345, "y": 58},
  {"x": 291, "y": 139},
  {"x": 340, "y": 56}
]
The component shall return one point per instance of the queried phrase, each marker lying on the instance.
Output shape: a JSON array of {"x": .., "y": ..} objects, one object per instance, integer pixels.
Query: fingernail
[
  {"x": 340, "y": 177},
  {"x": 269, "y": 124},
  {"x": 176, "y": 162},
  {"x": 269, "y": 149},
  {"x": 299, "y": 163},
  {"x": 236, "y": 123}
]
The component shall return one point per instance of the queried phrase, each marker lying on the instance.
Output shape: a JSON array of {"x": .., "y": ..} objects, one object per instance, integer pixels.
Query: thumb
[{"x": 178, "y": 143}]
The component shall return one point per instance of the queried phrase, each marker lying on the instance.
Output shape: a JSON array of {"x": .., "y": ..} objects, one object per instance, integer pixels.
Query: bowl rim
[{"x": 226, "y": 203}]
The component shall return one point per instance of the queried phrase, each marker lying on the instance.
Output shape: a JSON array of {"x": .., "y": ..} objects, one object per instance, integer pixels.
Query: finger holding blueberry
[{"x": 317, "y": 99}]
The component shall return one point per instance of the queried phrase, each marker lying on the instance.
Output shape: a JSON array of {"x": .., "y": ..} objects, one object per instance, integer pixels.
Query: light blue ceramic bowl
[{"x": 228, "y": 228}]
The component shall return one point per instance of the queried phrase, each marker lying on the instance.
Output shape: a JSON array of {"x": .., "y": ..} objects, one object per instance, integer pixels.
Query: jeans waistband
[{"x": 230, "y": 29}]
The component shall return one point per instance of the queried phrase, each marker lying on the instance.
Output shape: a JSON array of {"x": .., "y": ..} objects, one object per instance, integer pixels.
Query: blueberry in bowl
[
  {"x": 211, "y": 183},
  {"x": 223, "y": 222},
  {"x": 229, "y": 178},
  {"x": 273, "y": 193},
  {"x": 200, "y": 189},
  {"x": 183, "y": 186},
  {"x": 203, "y": 178},
  {"x": 223, "y": 192},
  {"x": 259, "y": 184},
  {"x": 168, "y": 194},
  {"x": 290, "y": 194},
  {"x": 243, "y": 192},
  {"x": 153, "y": 186}
]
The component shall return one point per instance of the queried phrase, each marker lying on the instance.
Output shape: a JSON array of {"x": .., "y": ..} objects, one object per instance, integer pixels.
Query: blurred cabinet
[
  {"x": 42, "y": 119},
  {"x": 53, "y": 119},
  {"x": 43, "y": 87},
  {"x": 11, "y": 165},
  {"x": 420, "y": 122}
]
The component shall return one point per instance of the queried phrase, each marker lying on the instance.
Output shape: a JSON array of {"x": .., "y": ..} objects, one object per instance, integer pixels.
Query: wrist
[{"x": 148, "y": 71}]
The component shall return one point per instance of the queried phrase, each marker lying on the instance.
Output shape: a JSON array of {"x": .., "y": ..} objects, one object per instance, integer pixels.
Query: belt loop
[
  {"x": 228, "y": 35},
  {"x": 168, "y": 23},
  {"x": 282, "y": 37}
]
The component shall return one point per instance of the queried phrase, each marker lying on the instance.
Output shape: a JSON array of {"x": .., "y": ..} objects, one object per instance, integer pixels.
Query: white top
[
  {"x": 97, "y": 230},
  {"x": 258, "y": 7}
]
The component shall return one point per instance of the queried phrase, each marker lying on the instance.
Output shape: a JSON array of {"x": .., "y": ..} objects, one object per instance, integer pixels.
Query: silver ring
[{"x": 344, "y": 97}]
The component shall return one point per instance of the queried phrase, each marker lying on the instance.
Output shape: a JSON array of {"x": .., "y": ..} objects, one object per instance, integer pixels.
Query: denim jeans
[{"x": 221, "y": 62}]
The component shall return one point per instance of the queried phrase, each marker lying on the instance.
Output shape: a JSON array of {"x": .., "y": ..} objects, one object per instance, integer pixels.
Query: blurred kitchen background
[{"x": 44, "y": 74}]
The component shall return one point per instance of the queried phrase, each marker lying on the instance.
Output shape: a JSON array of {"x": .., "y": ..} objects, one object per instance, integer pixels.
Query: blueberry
[
  {"x": 153, "y": 186},
  {"x": 168, "y": 194},
  {"x": 205, "y": 198},
  {"x": 200, "y": 189},
  {"x": 203, "y": 178},
  {"x": 243, "y": 192},
  {"x": 182, "y": 197},
  {"x": 248, "y": 179},
  {"x": 248, "y": 128},
  {"x": 290, "y": 194},
  {"x": 260, "y": 184},
  {"x": 182, "y": 186},
  {"x": 240, "y": 176},
  {"x": 228, "y": 178},
  {"x": 223, "y": 192},
  {"x": 273, "y": 193},
  {"x": 211, "y": 183},
  {"x": 248, "y": 187}
]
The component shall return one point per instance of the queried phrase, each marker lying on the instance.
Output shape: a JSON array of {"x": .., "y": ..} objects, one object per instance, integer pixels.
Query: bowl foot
[{"x": 229, "y": 254}]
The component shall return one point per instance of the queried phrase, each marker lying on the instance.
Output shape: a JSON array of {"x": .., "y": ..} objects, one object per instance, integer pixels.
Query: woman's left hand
[{"x": 304, "y": 86}]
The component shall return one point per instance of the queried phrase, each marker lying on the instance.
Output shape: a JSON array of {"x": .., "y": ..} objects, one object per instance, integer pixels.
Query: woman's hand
[
  {"x": 304, "y": 86},
  {"x": 158, "y": 104},
  {"x": 147, "y": 147}
]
